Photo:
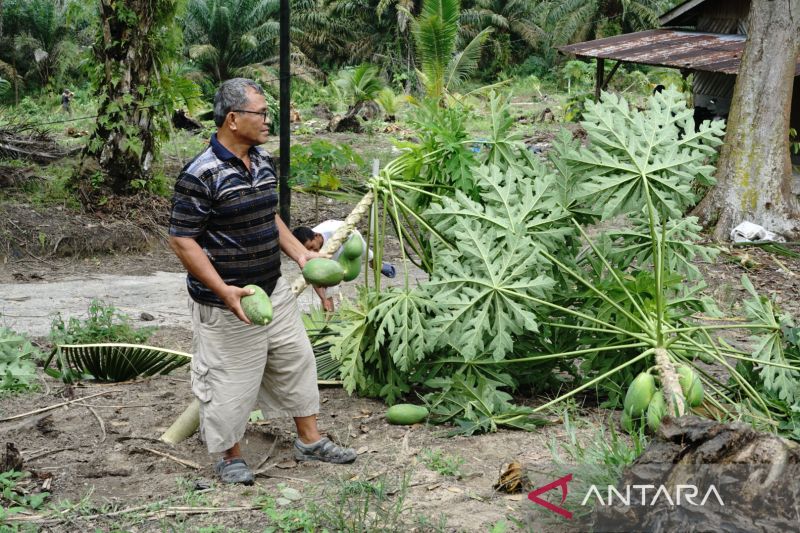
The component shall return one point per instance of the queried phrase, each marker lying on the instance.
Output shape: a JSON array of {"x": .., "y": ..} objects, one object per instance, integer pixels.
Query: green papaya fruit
[
  {"x": 406, "y": 414},
  {"x": 257, "y": 306},
  {"x": 639, "y": 393},
  {"x": 352, "y": 267},
  {"x": 353, "y": 248},
  {"x": 691, "y": 386},
  {"x": 323, "y": 272},
  {"x": 656, "y": 410}
]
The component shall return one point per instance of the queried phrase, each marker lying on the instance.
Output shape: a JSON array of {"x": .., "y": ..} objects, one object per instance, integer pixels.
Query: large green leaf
[
  {"x": 115, "y": 361},
  {"x": 400, "y": 320},
  {"x": 769, "y": 347},
  {"x": 483, "y": 287},
  {"x": 510, "y": 200},
  {"x": 634, "y": 246},
  {"x": 639, "y": 156}
]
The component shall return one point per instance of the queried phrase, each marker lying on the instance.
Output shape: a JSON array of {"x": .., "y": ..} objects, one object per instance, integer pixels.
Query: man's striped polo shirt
[{"x": 230, "y": 212}]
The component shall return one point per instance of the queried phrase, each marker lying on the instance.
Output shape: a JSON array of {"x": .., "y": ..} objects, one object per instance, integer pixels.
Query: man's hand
[
  {"x": 327, "y": 304},
  {"x": 303, "y": 258},
  {"x": 232, "y": 297}
]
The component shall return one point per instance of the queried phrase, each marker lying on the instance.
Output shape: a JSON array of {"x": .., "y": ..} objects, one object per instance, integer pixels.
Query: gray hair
[{"x": 232, "y": 94}]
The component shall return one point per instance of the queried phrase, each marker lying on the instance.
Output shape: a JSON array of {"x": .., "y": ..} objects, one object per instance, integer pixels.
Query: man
[
  {"x": 66, "y": 99},
  {"x": 225, "y": 231},
  {"x": 314, "y": 239}
]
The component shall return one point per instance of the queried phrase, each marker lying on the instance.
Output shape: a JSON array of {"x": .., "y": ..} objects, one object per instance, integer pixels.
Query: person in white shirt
[{"x": 315, "y": 238}]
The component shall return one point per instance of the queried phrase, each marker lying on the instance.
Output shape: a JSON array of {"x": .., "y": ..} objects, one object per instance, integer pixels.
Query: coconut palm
[{"x": 435, "y": 35}]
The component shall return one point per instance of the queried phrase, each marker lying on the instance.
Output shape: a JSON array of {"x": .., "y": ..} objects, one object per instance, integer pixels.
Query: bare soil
[{"x": 97, "y": 457}]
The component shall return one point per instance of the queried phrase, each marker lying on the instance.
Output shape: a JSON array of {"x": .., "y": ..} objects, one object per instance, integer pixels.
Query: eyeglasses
[{"x": 262, "y": 113}]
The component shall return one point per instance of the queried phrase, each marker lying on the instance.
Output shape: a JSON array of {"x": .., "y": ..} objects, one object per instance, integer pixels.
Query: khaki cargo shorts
[{"x": 237, "y": 368}]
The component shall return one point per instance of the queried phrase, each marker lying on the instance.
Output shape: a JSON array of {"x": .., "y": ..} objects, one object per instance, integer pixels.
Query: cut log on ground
[
  {"x": 27, "y": 142},
  {"x": 753, "y": 474}
]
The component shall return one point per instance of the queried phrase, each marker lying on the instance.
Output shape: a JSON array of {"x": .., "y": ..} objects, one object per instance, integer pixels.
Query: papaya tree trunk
[
  {"x": 185, "y": 425},
  {"x": 754, "y": 171},
  {"x": 188, "y": 421},
  {"x": 123, "y": 141},
  {"x": 673, "y": 394}
]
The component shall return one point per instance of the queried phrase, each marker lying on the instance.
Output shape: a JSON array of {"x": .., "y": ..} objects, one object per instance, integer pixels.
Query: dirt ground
[{"x": 102, "y": 463}]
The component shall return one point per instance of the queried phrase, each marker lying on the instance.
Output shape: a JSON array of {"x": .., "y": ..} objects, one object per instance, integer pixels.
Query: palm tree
[
  {"x": 361, "y": 84},
  {"x": 516, "y": 25},
  {"x": 377, "y": 31},
  {"x": 39, "y": 37},
  {"x": 435, "y": 35},
  {"x": 577, "y": 20},
  {"x": 229, "y": 38}
]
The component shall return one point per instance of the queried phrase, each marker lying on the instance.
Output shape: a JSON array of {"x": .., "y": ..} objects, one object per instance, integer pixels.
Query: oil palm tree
[
  {"x": 360, "y": 85},
  {"x": 227, "y": 38},
  {"x": 516, "y": 24},
  {"x": 378, "y": 31},
  {"x": 576, "y": 20},
  {"x": 37, "y": 36}
]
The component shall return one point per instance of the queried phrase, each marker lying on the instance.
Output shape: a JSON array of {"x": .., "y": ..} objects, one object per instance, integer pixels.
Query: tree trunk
[
  {"x": 124, "y": 139},
  {"x": 754, "y": 171}
]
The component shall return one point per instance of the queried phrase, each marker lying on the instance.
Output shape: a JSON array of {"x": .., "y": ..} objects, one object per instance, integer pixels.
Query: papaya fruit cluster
[
  {"x": 327, "y": 272},
  {"x": 645, "y": 403}
]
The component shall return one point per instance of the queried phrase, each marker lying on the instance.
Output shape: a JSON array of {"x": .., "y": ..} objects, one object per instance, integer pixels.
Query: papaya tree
[{"x": 754, "y": 171}]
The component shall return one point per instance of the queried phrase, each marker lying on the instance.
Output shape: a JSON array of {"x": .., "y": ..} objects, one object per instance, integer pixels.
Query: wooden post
[{"x": 598, "y": 78}]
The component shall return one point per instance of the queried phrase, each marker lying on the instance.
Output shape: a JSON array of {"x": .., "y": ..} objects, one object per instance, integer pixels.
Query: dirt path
[{"x": 29, "y": 307}]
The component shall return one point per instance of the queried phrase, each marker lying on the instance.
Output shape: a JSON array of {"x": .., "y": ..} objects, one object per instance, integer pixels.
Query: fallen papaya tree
[{"x": 519, "y": 295}]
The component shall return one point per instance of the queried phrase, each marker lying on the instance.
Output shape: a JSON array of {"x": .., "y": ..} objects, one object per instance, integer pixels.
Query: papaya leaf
[
  {"x": 634, "y": 246},
  {"x": 633, "y": 154},
  {"x": 399, "y": 321},
  {"x": 510, "y": 201},
  {"x": 769, "y": 347},
  {"x": 483, "y": 288}
]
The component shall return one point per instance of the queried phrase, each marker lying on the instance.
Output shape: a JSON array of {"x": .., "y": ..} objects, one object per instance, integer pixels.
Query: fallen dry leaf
[{"x": 512, "y": 480}]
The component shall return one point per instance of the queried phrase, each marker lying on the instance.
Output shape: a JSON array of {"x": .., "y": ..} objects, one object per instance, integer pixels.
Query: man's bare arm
[
  {"x": 291, "y": 246},
  {"x": 198, "y": 265}
]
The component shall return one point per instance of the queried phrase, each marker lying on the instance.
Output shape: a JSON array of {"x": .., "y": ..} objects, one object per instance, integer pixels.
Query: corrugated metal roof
[
  {"x": 678, "y": 11},
  {"x": 709, "y": 52}
]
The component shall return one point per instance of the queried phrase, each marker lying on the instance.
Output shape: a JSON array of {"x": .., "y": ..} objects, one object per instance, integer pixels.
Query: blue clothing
[{"x": 230, "y": 211}]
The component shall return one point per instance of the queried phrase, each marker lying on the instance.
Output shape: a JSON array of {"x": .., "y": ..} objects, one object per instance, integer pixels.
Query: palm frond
[
  {"x": 114, "y": 361},
  {"x": 465, "y": 62}
]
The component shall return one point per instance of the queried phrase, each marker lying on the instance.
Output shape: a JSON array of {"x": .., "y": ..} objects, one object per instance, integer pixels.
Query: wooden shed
[{"x": 703, "y": 37}]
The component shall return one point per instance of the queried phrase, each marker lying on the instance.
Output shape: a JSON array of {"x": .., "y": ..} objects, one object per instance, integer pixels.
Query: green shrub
[
  {"x": 17, "y": 361},
  {"x": 104, "y": 324}
]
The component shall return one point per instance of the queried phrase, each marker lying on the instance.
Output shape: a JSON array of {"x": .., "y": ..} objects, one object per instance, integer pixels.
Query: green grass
[{"x": 441, "y": 463}]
